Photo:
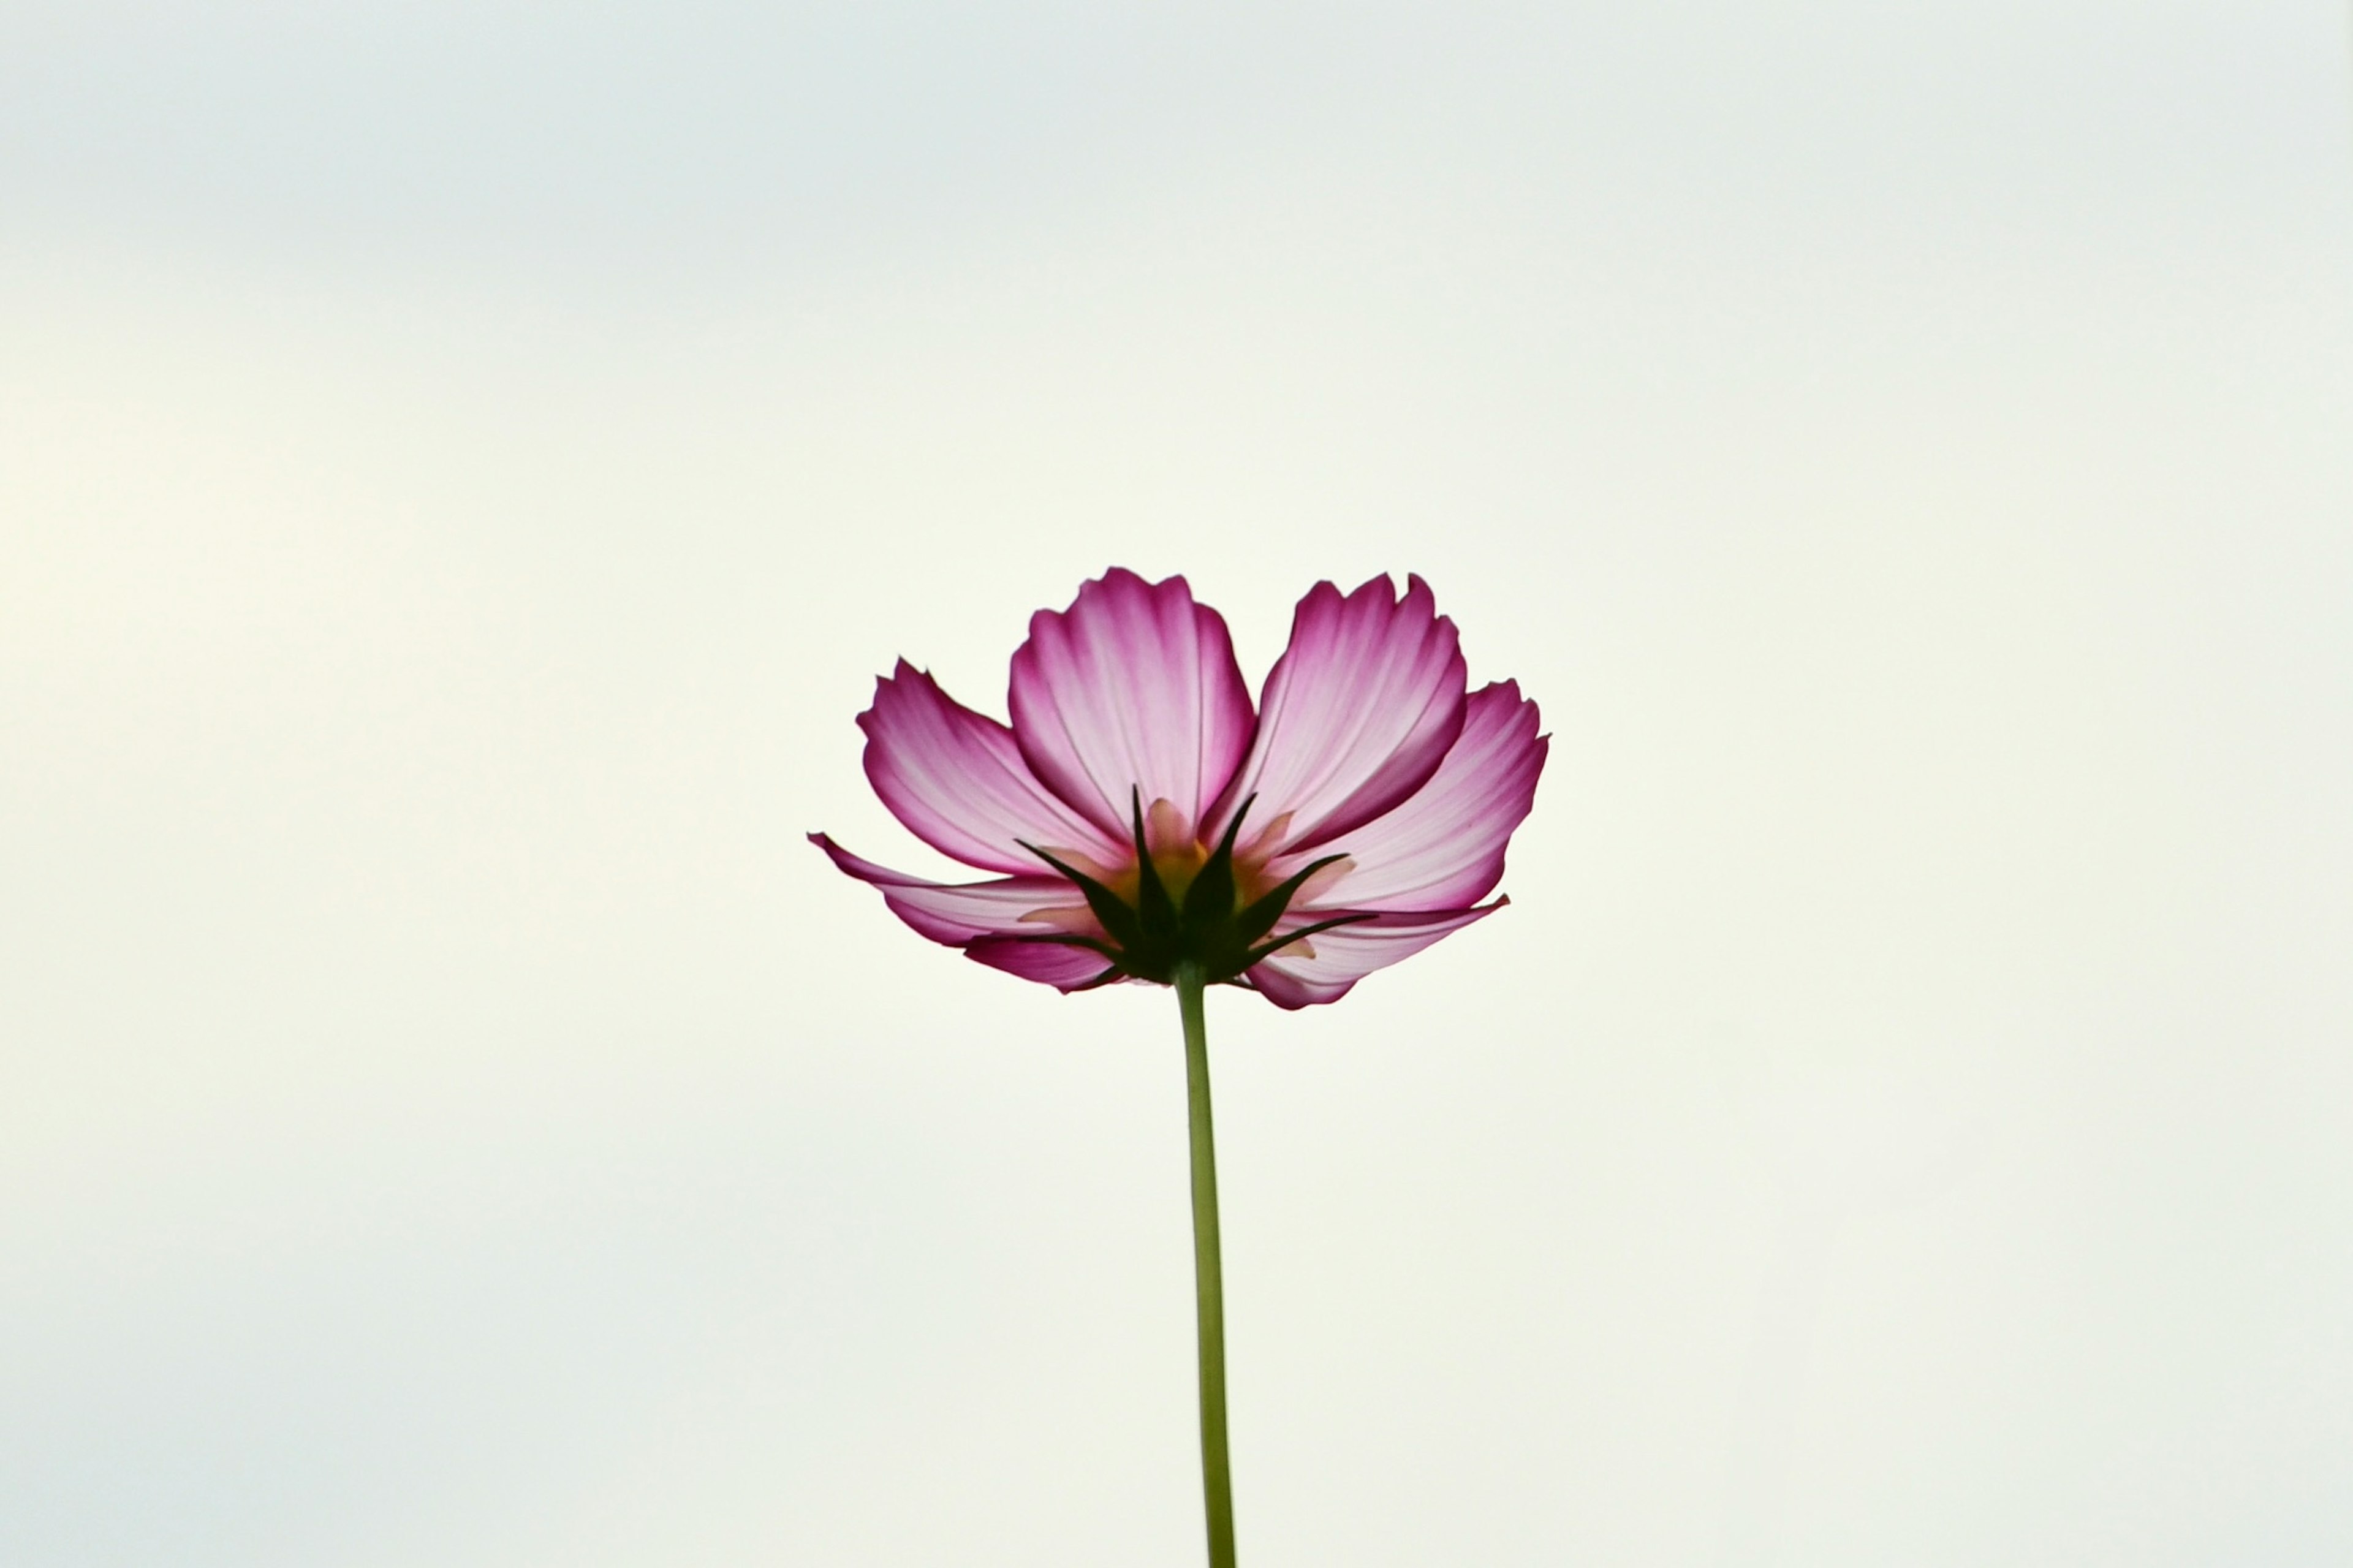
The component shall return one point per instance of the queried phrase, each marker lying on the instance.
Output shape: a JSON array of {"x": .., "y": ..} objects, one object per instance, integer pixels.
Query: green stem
[{"x": 1209, "y": 1280}]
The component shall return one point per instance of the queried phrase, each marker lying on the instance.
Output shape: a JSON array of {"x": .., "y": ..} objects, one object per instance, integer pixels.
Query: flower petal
[
  {"x": 957, "y": 781},
  {"x": 957, "y": 915},
  {"x": 1059, "y": 964},
  {"x": 1357, "y": 714},
  {"x": 1444, "y": 848},
  {"x": 1345, "y": 955},
  {"x": 1134, "y": 687}
]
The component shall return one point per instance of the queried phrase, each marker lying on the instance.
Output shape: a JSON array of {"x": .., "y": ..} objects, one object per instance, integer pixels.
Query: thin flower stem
[{"x": 1209, "y": 1280}]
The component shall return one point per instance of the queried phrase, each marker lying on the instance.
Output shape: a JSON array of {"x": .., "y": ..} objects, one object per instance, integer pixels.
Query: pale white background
[{"x": 462, "y": 466}]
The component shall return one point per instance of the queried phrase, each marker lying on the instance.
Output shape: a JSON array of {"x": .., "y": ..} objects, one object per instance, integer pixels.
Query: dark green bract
[{"x": 1211, "y": 931}]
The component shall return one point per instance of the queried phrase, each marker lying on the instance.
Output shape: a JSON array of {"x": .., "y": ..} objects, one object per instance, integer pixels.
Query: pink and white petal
[
  {"x": 1444, "y": 848},
  {"x": 1062, "y": 965},
  {"x": 1291, "y": 995},
  {"x": 956, "y": 779},
  {"x": 1357, "y": 713},
  {"x": 955, "y": 914},
  {"x": 1134, "y": 686},
  {"x": 1345, "y": 955}
]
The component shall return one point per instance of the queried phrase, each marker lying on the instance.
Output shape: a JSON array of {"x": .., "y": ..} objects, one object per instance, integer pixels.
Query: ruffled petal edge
[
  {"x": 1133, "y": 689},
  {"x": 1356, "y": 716},
  {"x": 957, "y": 781}
]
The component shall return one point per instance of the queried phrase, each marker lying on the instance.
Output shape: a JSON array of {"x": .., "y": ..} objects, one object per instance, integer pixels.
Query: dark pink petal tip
[
  {"x": 1357, "y": 713},
  {"x": 1133, "y": 687},
  {"x": 956, "y": 780}
]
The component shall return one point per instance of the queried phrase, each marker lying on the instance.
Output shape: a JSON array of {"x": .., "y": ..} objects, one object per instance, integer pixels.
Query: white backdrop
[{"x": 462, "y": 467}]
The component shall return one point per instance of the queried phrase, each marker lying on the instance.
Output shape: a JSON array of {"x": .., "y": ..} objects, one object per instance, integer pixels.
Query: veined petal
[
  {"x": 1345, "y": 955},
  {"x": 958, "y": 914},
  {"x": 1134, "y": 686},
  {"x": 1357, "y": 714},
  {"x": 956, "y": 779},
  {"x": 1444, "y": 848},
  {"x": 1059, "y": 964}
]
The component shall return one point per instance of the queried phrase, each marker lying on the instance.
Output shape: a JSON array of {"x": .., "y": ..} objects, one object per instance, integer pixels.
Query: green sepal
[
  {"x": 1109, "y": 908},
  {"x": 1154, "y": 939},
  {"x": 1266, "y": 950},
  {"x": 1258, "y": 918},
  {"x": 1212, "y": 896}
]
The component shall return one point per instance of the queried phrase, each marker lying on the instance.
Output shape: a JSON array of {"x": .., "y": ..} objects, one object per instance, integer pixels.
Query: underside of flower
[
  {"x": 1145, "y": 818},
  {"x": 1187, "y": 909}
]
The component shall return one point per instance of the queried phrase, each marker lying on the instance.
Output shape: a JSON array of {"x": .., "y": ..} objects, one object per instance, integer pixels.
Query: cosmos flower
[
  {"x": 1148, "y": 824},
  {"x": 1143, "y": 817}
]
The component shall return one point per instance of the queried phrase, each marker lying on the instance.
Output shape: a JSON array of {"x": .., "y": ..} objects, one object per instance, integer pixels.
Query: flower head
[{"x": 1146, "y": 817}]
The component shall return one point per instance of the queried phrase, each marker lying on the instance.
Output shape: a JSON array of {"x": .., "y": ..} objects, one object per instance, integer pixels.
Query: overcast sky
[{"x": 461, "y": 468}]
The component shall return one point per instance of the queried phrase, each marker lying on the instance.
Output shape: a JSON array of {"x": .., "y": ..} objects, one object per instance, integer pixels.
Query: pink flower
[{"x": 1143, "y": 816}]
